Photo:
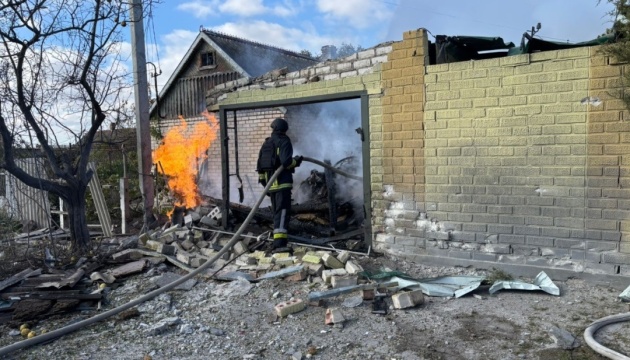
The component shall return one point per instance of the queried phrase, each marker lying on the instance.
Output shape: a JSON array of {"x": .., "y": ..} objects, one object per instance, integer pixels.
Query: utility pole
[{"x": 145, "y": 161}]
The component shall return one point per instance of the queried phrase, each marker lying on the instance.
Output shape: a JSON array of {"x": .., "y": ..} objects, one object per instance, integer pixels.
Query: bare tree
[{"x": 61, "y": 75}]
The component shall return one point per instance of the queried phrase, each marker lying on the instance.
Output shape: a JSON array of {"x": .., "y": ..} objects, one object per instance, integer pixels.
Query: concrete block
[
  {"x": 287, "y": 261},
  {"x": 187, "y": 245},
  {"x": 332, "y": 262},
  {"x": 207, "y": 252},
  {"x": 328, "y": 274},
  {"x": 266, "y": 260},
  {"x": 182, "y": 234},
  {"x": 144, "y": 237},
  {"x": 152, "y": 244},
  {"x": 290, "y": 307},
  {"x": 281, "y": 255},
  {"x": 343, "y": 257},
  {"x": 314, "y": 269},
  {"x": 343, "y": 281},
  {"x": 188, "y": 220},
  {"x": 184, "y": 257},
  {"x": 257, "y": 254},
  {"x": 334, "y": 316},
  {"x": 353, "y": 268},
  {"x": 203, "y": 244},
  {"x": 239, "y": 248},
  {"x": 408, "y": 299},
  {"x": 197, "y": 261}
]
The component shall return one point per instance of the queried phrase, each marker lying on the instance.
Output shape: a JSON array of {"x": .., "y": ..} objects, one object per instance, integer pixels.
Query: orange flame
[{"x": 181, "y": 152}]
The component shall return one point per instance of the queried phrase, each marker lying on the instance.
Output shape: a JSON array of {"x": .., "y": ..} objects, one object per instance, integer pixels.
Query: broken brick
[
  {"x": 184, "y": 257},
  {"x": 298, "y": 276},
  {"x": 343, "y": 257},
  {"x": 368, "y": 294},
  {"x": 290, "y": 307},
  {"x": 408, "y": 299},
  {"x": 353, "y": 268},
  {"x": 315, "y": 269},
  {"x": 334, "y": 316},
  {"x": 187, "y": 244},
  {"x": 239, "y": 248},
  {"x": 328, "y": 274},
  {"x": 332, "y": 262},
  {"x": 285, "y": 261}
]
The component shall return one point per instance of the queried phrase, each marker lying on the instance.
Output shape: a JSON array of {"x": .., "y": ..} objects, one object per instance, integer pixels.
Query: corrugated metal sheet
[
  {"x": 99, "y": 202},
  {"x": 27, "y": 203}
]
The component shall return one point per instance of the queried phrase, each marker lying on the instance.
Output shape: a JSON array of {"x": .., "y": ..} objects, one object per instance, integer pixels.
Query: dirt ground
[{"x": 222, "y": 320}]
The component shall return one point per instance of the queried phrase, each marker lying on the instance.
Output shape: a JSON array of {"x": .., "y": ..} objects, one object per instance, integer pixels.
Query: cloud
[
  {"x": 359, "y": 13},
  {"x": 277, "y": 35},
  {"x": 199, "y": 8},
  {"x": 243, "y": 8}
]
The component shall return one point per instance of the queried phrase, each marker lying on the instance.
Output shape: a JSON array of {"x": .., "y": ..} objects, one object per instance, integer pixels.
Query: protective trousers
[{"x": 281, "y": 205}]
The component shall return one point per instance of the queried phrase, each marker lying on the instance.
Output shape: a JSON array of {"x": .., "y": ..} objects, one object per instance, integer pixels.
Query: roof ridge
[{"x": 233, "y": 37}]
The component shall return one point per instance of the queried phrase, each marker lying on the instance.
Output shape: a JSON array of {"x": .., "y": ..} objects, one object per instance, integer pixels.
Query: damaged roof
[{"x": 257, "y": 59}]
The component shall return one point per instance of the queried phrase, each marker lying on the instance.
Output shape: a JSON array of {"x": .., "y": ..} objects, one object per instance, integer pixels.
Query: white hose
[
  {"x": 599, "y": 348},
  {"x": 102, "y": 316}
]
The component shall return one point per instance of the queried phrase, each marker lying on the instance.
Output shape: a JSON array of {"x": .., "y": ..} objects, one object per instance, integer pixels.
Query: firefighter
[{"x": 277, "y": 150}]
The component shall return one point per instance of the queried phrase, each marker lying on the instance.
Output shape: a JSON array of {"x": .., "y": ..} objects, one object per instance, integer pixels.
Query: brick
[
  {"x": 343, "y": 281},
  {"x": 408, "y": 299},
  {"x": 333, "y": 316},
  {"x": 328, "y": 274},
  {"x": 353, "y": 268},
  {"x": 344, "y": 256},
  {"x": 289, "y": 307},
  {"x": 312, "y": 258},
  {"x": 332, "y": 262},
  {"x": 185, "y": 257},
  {"x": 314, "y": 269}
]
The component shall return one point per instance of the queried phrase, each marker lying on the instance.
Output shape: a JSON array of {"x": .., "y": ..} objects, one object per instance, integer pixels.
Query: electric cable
[{"x": 100, "y": 317}]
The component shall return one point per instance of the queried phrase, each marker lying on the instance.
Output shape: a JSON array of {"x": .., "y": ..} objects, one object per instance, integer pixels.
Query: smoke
[{"x": 328, "y": 132}]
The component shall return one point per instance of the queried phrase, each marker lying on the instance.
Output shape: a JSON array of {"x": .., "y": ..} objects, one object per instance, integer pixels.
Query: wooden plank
[{"x": 19, "y": 277}]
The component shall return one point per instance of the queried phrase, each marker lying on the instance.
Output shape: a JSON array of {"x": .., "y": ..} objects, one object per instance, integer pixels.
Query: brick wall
[
  {"x": 496, "y": 161},
  {"x": 518, "y": 169}
]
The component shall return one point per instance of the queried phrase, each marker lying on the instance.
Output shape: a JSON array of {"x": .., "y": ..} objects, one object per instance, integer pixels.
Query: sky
[{"x": 310, "y": 24}]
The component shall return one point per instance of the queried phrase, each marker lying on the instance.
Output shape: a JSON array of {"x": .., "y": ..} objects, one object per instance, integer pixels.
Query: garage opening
[{"x": 328, "y": 207}]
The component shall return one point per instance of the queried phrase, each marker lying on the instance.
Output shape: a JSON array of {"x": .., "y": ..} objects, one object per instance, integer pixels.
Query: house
[{"x": 215, "y": 58}]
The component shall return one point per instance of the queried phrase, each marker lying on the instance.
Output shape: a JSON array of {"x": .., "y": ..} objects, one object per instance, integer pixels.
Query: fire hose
[
  {"x": 332, "y": 168},
  {"x": 100, "y": 317},
  {"x": 599, "y": 348}
]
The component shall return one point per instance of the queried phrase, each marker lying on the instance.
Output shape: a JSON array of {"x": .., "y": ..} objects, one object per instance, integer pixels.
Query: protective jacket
[{"x": 284, "y": 157}]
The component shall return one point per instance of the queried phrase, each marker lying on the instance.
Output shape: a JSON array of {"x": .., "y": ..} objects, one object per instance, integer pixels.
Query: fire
[{"x": 181, "y": 152}]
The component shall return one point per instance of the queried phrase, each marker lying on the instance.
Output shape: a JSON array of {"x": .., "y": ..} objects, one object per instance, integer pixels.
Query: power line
[{"x": 425, "y": 9}]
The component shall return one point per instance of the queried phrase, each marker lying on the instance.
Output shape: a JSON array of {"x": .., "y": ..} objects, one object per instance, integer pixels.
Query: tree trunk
[{"x": 78, "y": 220}]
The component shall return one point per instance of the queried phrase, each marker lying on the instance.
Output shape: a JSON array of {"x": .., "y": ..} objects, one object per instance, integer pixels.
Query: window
[{"x": 207, "y": 59}]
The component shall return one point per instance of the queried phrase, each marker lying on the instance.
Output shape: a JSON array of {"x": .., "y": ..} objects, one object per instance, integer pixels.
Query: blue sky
[{"x": 310, "y": 24}]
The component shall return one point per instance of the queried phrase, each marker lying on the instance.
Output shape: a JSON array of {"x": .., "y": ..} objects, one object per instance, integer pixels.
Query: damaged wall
[{"x": 491, "y": 161}]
